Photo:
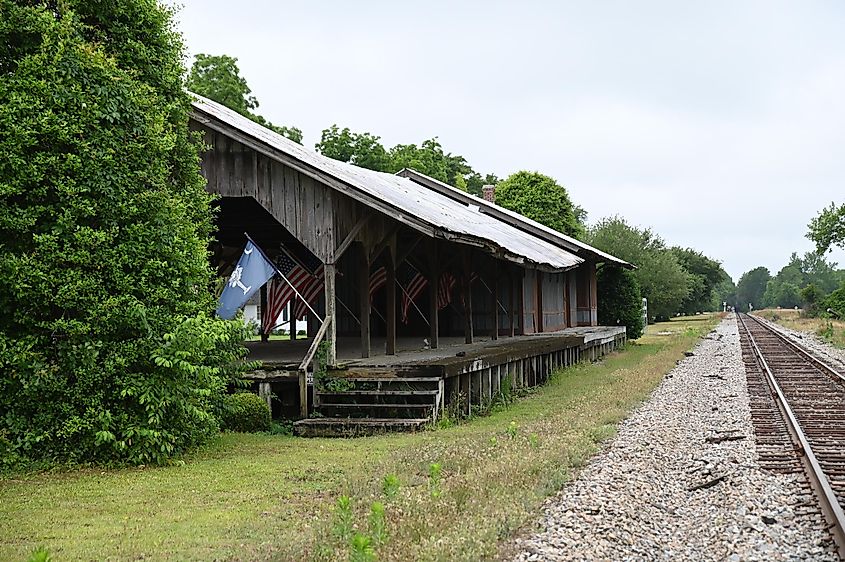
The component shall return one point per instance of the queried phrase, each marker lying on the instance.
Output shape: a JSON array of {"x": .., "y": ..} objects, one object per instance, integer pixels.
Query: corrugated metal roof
[
  {"x": 532, "y": 226},
  {"x": 409, "y": 201}
]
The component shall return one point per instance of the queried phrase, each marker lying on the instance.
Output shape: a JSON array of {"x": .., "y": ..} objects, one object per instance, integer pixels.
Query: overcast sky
[{"x": 720, "y": 125}]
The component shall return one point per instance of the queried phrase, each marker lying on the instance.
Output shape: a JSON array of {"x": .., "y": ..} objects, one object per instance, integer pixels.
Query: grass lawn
[
  {"x": 250, "y": 497},
  {"x": 832, "y": 331}
]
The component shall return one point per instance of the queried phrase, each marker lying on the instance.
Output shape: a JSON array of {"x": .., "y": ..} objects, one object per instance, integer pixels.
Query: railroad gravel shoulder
[
  {"x": 814, "y": 343},
  {"x": 680, "y": 481}
]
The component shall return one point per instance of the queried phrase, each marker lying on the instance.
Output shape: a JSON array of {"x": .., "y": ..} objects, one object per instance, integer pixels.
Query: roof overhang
[
  {"x": 404, "y": 199},
  {"x": 516, "y": 220}
]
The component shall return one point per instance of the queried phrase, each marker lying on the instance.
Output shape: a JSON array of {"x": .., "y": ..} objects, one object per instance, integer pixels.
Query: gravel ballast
[{"x": 680, "y": 481}]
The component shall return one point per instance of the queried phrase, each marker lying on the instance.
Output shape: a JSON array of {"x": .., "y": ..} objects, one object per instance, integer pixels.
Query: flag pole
[
  {"x": 413, "y": 303},
  {"x": 282, "y": 275}
]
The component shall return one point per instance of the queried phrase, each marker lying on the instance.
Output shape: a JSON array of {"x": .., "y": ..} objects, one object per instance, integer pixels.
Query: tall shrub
[
  {"x": 662, "y": 279},
  {"x": 620, "y": 300},
  {"x": 107, "y": 346}
]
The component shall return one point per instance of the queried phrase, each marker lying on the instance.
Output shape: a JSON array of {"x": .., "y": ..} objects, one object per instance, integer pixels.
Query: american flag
[
  {"x": 444, "y": 289},
  {"x": 279, "y": 293},
  {"x": 310, "y": 289},
  {"x": 412, "y": 283},
  {"x": 377, "y": 280},
  {"x": 274, "y": 305}
]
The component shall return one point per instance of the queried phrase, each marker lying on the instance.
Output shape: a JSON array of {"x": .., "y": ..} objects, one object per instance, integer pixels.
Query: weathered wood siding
[
  {"x": 587, "y": 312},
  {"x": 554, "y": 301},
  {"x": 572, "y": 300},
  {"x": 314, "y": 213}
]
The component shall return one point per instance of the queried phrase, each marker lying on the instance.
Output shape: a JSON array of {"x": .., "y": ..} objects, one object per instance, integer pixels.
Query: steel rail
[
  {"x": 784, "y": 337},
  {"x": 818, "y": 480}
]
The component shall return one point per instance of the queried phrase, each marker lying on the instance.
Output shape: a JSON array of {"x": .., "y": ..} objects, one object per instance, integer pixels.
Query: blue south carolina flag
[{"x": 252, "y": 271}]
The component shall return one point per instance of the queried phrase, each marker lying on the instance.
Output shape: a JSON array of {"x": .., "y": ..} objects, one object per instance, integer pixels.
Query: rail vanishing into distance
[{"x": 810, "y": 429}]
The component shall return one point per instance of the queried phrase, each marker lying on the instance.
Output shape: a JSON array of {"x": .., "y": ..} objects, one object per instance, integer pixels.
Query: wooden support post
[
  {"x": 264, "y": 312},
  {"x": 291, "y": 319},
  {"x": 433, "y": 286},
  {"x": 487, "y": 384},
  {"x": 512, "y": 297},
  {"x": 265, "y": 393},
  {"x": 311, "y": 325},
  {"x": 476, "y": 383},
  {"x": 390, "y": 304},
  {"x": 441, "y": 399},
  {"x": 303, "y": 393},
  {"x": 364, "y": 299},
  {"x": 494, "y": 286},
  {"x": 467, "y": 289},
  {"x": 329, "y": 280},
  {"x": 539, "y": 301},
  {"x": 466, "y": 392}
]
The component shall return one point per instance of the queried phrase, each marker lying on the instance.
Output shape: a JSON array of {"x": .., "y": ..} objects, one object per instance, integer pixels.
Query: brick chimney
[{"x": 489, "y": 193}]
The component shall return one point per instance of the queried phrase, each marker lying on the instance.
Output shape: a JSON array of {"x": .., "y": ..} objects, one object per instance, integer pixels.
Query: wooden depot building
[{"x": 425, "y": 295}]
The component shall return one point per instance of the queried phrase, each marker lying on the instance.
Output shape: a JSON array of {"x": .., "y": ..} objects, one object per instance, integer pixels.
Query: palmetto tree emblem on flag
[
  {"x": 251, "y": 272},
  {"x": 235, "y": 280}
]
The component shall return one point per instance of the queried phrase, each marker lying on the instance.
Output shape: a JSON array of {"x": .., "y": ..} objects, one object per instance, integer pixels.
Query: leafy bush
[
  {"x": 811, "y": 295},
  {"x": 620, "y": 303},
  {"x": 835, "y": 301},
  {"x": 108, "y": 352},
  {"x": 8, "y": 457},
  {"x": 245, "y": 412}
]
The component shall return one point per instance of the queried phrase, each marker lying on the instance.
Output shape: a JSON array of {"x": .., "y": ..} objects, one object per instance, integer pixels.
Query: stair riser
[
  {"x": 351, "y": 430},
  {"x": 364, "y": 413}
]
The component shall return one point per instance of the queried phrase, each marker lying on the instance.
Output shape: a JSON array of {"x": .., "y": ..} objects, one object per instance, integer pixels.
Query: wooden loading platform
[{"x": 404, "y": 392}]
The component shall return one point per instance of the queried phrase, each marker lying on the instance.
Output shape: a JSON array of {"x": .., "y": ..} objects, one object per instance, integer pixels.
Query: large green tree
[
  {"x": 663, "y": 281},
  {"x": 107, "y": 346},
  {"x": 362, "y": 149},
  {"x": 751, "y": 288},
  {"x": 541, "y": 198},
  {"x": 724, "y": 294},
  {"x": 218, "y": 78},
  {"x": 827, "y": 229},
  {"x": 705, "y": 275},
  {"x": 367, "y": 151},
  {"x": 784, "y": 289}
]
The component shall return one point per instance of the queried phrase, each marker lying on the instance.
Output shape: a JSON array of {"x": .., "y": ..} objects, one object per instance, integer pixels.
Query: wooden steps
[
  {"x": 381, "y": 405},
  {"x": 356, "y": 427},
  {"x": 380, "y": 393},
  {"x": 374, "y": 405}
]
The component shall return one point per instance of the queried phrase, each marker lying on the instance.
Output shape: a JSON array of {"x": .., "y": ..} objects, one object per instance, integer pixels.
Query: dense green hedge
[
  {"x": 108, "y": 350},
  {"x": 620, "y": 301}
]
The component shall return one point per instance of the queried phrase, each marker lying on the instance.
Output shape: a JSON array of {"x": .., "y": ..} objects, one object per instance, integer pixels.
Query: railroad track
[{"x": 798, "y": 411}]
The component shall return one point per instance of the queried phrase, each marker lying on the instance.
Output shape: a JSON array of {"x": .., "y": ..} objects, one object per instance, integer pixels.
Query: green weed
[
  {"x": 361, "y": 548},
  {"x": 390, "y": 486},
  {"x": 435, "y": 479},
  {"x": 40, "y": 554},
  {"x": 344, "y": 518},
  {"x": 378, "y": 525}
]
